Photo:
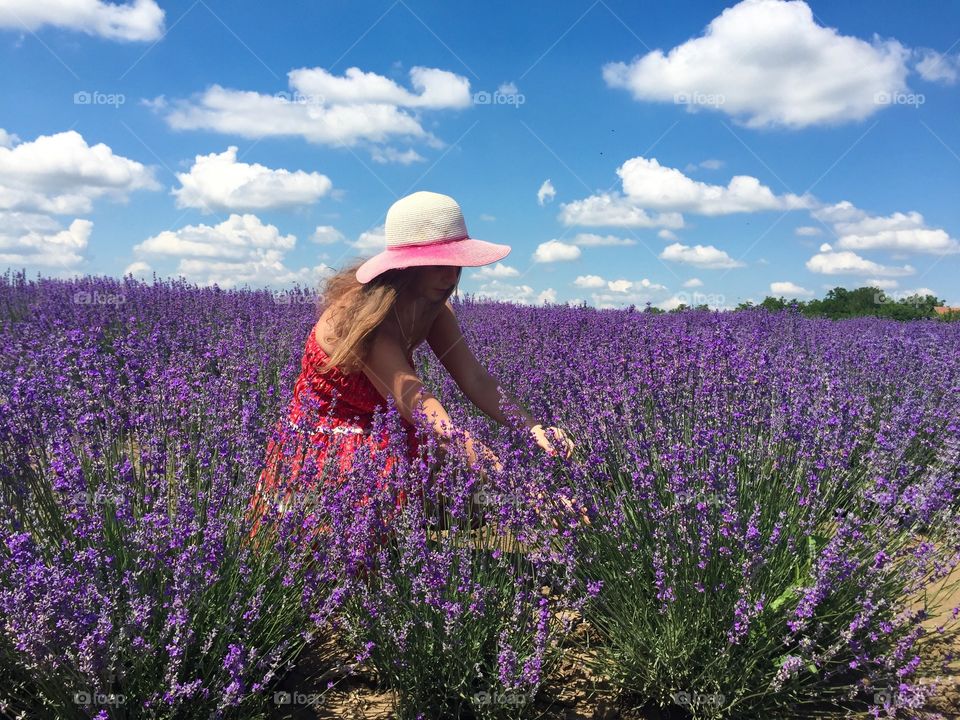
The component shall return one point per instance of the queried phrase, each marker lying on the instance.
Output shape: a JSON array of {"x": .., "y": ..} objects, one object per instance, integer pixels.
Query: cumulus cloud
[
  {"x": 62, "y": 175},
  {"x": 505, "y": 292},
  {"x": 328, "y": 109},
  {"x": 649, "y": 184},
  {"x": 786, "y": 288},
  {"x": 327, "y": 235},
  {"x": 499, "y": 270},
  {"x": 704, "y": 256},
  {"x": 547, "y": 296},
  {"x": 240, "y": 250},
  {"x": 905, "y": 232},
  {"x": 392, "y": 155},
  {"x": 665, "y": 234},
  {"x": 139, "y": 269},
  {"x": 218, "y": 182},
  {"x": 614, "y": 210},
  {"x": 882, "y": 284},
  {"x": 845, "y": 262},
  {"x": 769, "y": 63},
  {"x": 371, "y": 241},
  {"x": 693, "y": 282},
  {"x": 140, "y": 20},
  {"x": 555, "y": 251},
  {"x": 709, "y": 164},
  {"x": 938, "y": 67},
  {"x": 589, "y": 281},
  {"x": 546, "y": 193},
  {"x": 593, "y": 240},
  {"x": 38, "y": 241},
  {"x": 7, "y": 139}
]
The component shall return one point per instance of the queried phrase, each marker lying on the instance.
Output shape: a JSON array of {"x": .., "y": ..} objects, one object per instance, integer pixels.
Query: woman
[{"x": 375, "y": 314}]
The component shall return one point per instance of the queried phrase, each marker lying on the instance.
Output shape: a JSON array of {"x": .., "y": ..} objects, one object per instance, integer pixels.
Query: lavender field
[{"x": 773, "y": 507}]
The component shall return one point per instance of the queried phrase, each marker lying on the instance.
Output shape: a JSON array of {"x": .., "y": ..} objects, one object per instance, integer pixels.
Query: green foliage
[{"x": 842, "y": 303}]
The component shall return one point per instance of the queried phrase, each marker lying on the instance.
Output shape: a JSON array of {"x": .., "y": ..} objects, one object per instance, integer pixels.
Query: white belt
[{"x": 337, "y": 429}]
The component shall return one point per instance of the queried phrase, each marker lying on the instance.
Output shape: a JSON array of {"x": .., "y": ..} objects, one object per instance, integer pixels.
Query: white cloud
[
  {"x": 327, "y": 109},
  {"x": 486, "y": 217},
  {"x": 137, "y": 21},
  {"x": 808, "y": 231},
  {"x": 845, "y": 262},
  {"x": 218, "y": 182},
  {"x": 907, "y": 232},
  {"x": 499, "y": 270},
  {"x": 709, "y": 164},
  {"x": 937, "y": 67},
  {"x": 704, "y": 256},
  {"x": 61, "y": 174},
  {"x": 37, "y": 241},
  {"x": 882, "y": 284},
  {"x": 611, "y": 210},
  {"x": 589, "y": 281},
  {"x": 499, "y": 290},
  {"x": 139, "y": 269},
  {"x": 620, "y": 286},
  {"x": 547, "y": 296},
  {"x": 593, "y": 240},
  {"x": 240, "y": 250},
  {"x": 693, "y": 282},
  {"x": 392, "y": 155},
  {"x": 507, "y": 88},
  {"x": 436, "y": 89},
  {"x": 7, "y": 139},
  {"x": 546, "y": 193},
  {"x": 788, "y": 289},
  {"x": 555, "y": 251},
  {"x": 327, "y": 235},
  {"x": 769, "y": 63},
  {"x": 372, "y": 241},
  {"x": 665, "y": 234},
  {"x": 648, "y": 184}
]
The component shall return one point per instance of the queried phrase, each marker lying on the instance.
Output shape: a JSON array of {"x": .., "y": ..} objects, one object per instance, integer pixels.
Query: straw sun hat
[{"x": 427, "y": 228}]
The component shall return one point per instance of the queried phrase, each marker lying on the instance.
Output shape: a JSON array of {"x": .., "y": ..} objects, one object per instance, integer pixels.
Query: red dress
[{"x": 342, "y": 405}]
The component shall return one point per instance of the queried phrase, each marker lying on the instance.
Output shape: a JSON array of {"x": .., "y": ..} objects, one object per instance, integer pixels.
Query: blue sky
[{"x": 629, "y": 153}]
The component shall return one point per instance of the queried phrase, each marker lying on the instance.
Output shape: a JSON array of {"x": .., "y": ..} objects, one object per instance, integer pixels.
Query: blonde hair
[{"x": 361, "y": 308}]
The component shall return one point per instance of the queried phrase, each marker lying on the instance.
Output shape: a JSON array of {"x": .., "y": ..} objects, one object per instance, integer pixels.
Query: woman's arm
[
  {"x": 391, "y": 374},
  {"x": 447, "y": 342}
]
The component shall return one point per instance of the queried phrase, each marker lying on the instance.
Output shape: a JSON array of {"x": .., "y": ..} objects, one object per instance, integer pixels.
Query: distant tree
[{"x": 842, "y": 303}]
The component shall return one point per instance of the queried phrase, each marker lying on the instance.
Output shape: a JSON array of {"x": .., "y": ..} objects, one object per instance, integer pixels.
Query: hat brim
[{"x": 468, "y": 252}]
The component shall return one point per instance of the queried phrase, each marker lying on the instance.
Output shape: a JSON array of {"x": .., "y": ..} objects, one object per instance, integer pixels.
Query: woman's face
[{"x": 437, "y": 282}]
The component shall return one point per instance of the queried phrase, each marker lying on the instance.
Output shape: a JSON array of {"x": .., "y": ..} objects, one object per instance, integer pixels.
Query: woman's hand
[{"x": 540, "y": 434}]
